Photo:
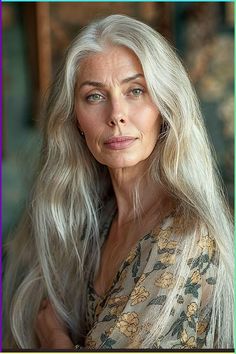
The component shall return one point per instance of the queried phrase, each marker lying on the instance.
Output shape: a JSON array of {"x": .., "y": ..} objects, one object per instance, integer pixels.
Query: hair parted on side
[{"x": 58, "y": 244}]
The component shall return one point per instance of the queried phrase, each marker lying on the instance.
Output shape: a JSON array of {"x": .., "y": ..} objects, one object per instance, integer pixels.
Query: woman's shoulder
[{"x": 193, "y": 244}]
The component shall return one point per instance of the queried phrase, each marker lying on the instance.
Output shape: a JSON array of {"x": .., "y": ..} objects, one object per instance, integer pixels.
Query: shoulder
[
  {"x": 193, "y": 232},
  {"x": 192, "y": 254}
]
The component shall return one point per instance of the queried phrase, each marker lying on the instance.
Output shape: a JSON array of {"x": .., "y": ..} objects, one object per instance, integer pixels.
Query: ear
[
  {"x": 77, "y": 123},
  {"x": 79, "y": 129}
]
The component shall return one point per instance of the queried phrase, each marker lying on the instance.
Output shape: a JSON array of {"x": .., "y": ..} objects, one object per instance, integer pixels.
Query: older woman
[{"x": 128, "y": 242}]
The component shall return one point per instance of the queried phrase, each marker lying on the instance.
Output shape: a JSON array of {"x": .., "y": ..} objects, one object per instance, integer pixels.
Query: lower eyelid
[
  {"x": 90, "y": 97},
  {"x": 141, "y": 91}
]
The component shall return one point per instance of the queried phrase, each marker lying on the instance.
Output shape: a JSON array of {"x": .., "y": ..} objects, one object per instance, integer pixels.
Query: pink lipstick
[{"x": 119, "y": 142}]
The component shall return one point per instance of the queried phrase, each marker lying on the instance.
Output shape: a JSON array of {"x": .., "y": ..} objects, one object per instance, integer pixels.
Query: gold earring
[{"x": 78, "y": 127}]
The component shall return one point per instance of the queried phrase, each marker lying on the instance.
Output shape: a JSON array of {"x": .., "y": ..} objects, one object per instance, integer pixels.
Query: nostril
[{"x": 122, "y": 120}]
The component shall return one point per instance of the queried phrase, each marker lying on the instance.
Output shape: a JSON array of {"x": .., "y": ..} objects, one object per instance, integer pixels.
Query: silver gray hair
[{"x": 58, "y": 245}]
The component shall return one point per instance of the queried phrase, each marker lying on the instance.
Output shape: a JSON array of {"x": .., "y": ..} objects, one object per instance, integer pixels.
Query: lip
[{"x": 119, "y": 142}]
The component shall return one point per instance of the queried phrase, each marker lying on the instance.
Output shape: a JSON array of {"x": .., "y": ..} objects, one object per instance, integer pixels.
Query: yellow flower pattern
[
  {"x": 139, "y": 294},
  {"x": 161, "y": 234},
  {"x": 131, "y": 256},
  {"x": 128, "y": 323},
  {"x": 167, "y": 258},
  {"x": 117, "y": 300},
  {"x": 188, "y": 342},
  {"x": 124, "y": 317},
  {"x": 165, "y": 281},
  {"x": 141, "y": 279},
  {"x": 201, "y": 327},
  {"x": 207, "y": 243},
  {"x": 164, "y": 243},
  {"x": 196, "y": 277},
  {"x": 116, "y": 304},
  {"x": 192, "y": 309}
]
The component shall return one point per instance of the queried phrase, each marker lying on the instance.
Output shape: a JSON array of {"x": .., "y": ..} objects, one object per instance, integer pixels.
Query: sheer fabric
[{"x": 126, "y": 314}]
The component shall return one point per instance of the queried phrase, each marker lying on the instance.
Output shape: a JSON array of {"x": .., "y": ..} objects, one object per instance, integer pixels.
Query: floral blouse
[{"x": 119, "y": 319}]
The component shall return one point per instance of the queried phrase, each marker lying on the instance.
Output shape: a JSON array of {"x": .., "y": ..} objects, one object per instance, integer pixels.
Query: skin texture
[
  {"x": 112, "y": 100},
  {"x": 50, "y": 330},
  {"x": 115, "y": 107},
  {"x": 111, "y": 104}
]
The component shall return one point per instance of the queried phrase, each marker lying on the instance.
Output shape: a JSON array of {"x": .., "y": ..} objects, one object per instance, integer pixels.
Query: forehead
[{"x": 116, "y": 61}]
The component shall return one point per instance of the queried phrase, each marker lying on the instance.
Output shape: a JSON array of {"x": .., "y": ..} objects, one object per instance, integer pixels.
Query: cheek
[
  {"x": 88, "y": 128},
  {"x": 91, "y": 129},
  {"x": 151, "y": 122},
  {"x": 85, "y": 123}
]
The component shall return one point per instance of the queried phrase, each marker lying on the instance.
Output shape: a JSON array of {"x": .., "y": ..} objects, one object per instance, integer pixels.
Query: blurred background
[{"x": 35, "y": 36}]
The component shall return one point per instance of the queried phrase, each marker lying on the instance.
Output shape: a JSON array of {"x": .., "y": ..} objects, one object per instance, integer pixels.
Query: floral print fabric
[{"x": 126, "y": 314}]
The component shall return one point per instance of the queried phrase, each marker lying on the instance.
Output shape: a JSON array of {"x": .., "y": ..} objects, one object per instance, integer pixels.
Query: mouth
[{"x": 119, "y": 142}]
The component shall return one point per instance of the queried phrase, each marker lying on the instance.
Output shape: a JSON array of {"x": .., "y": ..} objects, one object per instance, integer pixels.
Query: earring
[{"x": 80, "y": 131}]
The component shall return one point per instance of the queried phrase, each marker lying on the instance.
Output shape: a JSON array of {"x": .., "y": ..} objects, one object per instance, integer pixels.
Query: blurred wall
[{"x": 35, "y": 36}]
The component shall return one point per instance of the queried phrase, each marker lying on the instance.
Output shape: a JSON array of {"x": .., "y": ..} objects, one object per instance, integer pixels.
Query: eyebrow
[{"x": 100, "y": 84}]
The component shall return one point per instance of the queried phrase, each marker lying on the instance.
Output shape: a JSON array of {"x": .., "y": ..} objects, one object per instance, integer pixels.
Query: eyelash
[
  {"x": 137, "y": 89},
  {"x": 90, "y": 98}
]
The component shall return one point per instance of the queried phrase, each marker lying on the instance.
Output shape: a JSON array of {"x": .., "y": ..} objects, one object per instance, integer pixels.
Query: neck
[{"x": 152, "y": 197}]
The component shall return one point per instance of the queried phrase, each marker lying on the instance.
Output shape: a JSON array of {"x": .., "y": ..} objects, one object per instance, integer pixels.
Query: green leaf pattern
[{"x": 142, "y": 286}]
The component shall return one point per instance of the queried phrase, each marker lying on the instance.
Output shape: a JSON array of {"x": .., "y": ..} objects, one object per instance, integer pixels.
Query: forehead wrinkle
[
  {"x": 113, "y": 68},
  {"x": 101, "y": 84},
  {"x": 92, "y": 83}
]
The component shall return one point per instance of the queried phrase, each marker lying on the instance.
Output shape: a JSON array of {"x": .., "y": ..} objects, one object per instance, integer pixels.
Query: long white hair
[{"x": 57, "y": 246}]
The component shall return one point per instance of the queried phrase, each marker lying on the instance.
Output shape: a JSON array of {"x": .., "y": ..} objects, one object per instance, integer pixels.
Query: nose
[
  {"x": 117, "y": 115},
  {"x": 113, "y": 121}
]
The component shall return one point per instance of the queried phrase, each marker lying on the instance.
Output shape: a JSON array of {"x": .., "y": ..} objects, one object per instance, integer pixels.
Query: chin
[{"x": 114, "y": 164}]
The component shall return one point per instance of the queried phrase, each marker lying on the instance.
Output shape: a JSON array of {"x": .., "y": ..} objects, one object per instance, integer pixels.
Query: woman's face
[{"x": 120, "y": 122}]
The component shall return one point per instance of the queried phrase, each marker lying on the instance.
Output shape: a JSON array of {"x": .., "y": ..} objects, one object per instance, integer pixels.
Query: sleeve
[{"x": 144, "y": 296}]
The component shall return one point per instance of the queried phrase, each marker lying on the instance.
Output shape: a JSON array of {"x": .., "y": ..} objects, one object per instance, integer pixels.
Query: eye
[
  {"x": 137, "y": 92},
  {"x": 95, "y": 97}
]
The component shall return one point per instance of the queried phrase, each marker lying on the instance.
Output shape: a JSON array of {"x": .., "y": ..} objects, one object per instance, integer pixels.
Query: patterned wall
[{"x": 206, "y": 37}]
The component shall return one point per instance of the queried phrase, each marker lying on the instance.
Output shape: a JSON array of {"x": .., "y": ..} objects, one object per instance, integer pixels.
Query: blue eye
[
  {"x": 137, "y": 92},
  {"x": 95, "y": 97}
]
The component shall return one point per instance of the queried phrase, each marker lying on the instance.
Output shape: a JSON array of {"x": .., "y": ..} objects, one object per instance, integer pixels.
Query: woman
[{"x": 128, "y": 242}]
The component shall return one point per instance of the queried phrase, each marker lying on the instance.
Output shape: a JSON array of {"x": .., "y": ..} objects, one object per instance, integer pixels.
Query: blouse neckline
[{"x": 150, "y": 234}]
